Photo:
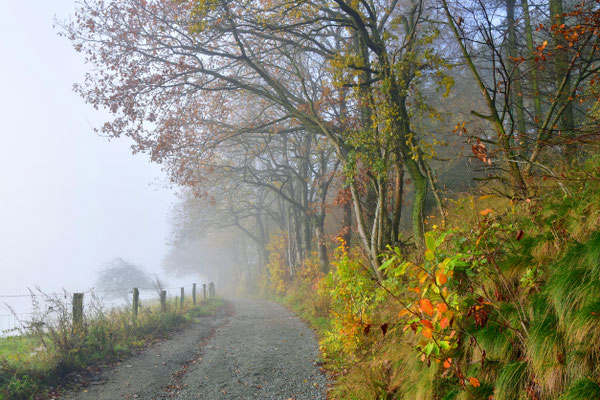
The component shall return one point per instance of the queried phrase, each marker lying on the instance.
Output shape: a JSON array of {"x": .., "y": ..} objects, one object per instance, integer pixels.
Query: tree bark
[
  {"x": 398, "y": 197},
  {"x": 516, "y": 86},
  {"x": 535, "y": 95},
  {"x": 567, "y": 122}
]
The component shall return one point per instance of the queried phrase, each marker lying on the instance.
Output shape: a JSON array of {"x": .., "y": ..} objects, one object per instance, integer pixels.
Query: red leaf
[
  {"x": 520, "y": 235},
  {"x": 384, "y": 328}
]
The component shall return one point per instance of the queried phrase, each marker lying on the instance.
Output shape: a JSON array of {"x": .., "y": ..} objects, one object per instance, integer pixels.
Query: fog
[{"x": 70, "y": 200}]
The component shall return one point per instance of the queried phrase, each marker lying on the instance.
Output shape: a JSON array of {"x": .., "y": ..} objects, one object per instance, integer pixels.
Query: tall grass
[
  {"x": 50, "y": 347},
  {"x": 537, "y": 262}
]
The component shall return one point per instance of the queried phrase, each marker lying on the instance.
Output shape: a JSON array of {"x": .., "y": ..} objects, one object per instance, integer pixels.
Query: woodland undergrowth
[{"x": 505, "y": 304}]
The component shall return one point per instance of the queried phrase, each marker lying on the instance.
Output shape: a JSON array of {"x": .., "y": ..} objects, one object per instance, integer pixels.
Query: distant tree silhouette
[{"x": 119, "y": 277}]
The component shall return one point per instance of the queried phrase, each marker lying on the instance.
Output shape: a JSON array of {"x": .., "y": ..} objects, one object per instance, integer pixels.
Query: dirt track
[{"x": 262, "y": 351}]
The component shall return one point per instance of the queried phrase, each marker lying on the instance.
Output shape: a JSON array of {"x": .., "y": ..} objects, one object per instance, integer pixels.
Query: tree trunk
[
  {"x": 347, "y": 224},
  {"x": 566, "y": 123},
  {"x": 418, "y": 206},
  {"x": 503, "y": 139},
  {"x": 516, "y": 87},
  {"x": 321, "y": 244},
  {"x": 535, "y": 95},
  {"x": 434, "y": 189}
]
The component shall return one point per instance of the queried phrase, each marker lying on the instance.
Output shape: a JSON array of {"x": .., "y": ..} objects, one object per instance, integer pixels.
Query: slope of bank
[{"x": 503, "y": 305}]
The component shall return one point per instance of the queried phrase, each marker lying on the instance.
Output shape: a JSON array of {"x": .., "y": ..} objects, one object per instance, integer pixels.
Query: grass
[
  {"x": 18, "y": 349},
  {"x": 39, "y": 359},
  {"x": 542, "y": 337}
]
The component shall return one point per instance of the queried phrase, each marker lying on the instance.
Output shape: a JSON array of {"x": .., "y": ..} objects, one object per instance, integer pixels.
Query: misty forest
[{"x": 376, "y": 199}]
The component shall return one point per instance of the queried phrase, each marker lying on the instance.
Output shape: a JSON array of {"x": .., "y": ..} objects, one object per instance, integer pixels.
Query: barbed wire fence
[{"x": 13, "y": 321}]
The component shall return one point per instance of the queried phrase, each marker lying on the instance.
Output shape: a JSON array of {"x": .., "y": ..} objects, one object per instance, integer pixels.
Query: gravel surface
[
  {"x": 148, "y": 374},
  {"x": 262, "y": 351}
]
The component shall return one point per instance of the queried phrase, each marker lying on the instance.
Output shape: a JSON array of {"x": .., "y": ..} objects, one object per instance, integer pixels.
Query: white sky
[{"x": 69, "y": 199}]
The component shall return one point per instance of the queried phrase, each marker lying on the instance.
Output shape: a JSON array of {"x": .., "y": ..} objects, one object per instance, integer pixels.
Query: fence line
[
  {"x": 77, "y": 302},
  {"x": 92, "y": 290}
]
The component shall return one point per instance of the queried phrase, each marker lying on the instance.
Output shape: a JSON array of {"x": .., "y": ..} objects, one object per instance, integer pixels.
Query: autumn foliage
[{"x": 293, "y": 122}]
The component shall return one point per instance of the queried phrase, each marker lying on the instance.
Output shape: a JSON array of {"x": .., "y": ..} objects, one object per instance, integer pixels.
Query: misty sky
[{"x": 69, "y": 199}]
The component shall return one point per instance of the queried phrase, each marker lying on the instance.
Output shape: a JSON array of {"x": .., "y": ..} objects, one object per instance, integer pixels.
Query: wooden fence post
[
  {"x": 163, "y": 300},
  {"x": 194, "y": 294},
  {"x": 136, "y": 302},
  {"x": 182, "y": 299},
  {"x": 212, "y": 289},
  {"x": 77, "y": 311},
  {"x": 204, "y": 289}
]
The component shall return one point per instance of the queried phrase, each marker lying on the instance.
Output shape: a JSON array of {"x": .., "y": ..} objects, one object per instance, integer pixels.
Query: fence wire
[{"x": 13, "y": 307}]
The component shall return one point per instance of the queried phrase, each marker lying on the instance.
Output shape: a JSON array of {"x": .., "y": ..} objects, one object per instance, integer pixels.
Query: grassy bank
[
  {"x": 41, "y": 358},
  {"x": 504, "y": 305}
]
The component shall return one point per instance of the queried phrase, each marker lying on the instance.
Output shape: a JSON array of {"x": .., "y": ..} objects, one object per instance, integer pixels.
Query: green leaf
[
  {"x": 430, "y": 241},
  {"x": 402, "y": 268},
  {"x": 444, "y": 344},
  {"x": 429, "y": 255},
  {"x": 387, "y": 263},
  {"x": 441, "y": 239},
  {"x": 429, "y": 348}
]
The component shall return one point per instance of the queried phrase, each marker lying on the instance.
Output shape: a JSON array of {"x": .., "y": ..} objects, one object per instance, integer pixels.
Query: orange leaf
[
  {"x": 444, "y": 323},
  {"x": 486, "y": 211},
  {"x": 442, "y": 307},
  {"x": 474, "y": 382},
  {"x": 426, "y": 306},
  {"x": 428, "y": 333},
  {"x": 403, "y": 312},
  {"x": 442, "y": 279},
  {"x": 447, "y": 363},
  {"x": 427, "y": 323}
]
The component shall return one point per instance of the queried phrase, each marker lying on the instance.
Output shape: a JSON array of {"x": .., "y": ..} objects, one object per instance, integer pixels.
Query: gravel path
[{"x": 262, "y": 351}]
